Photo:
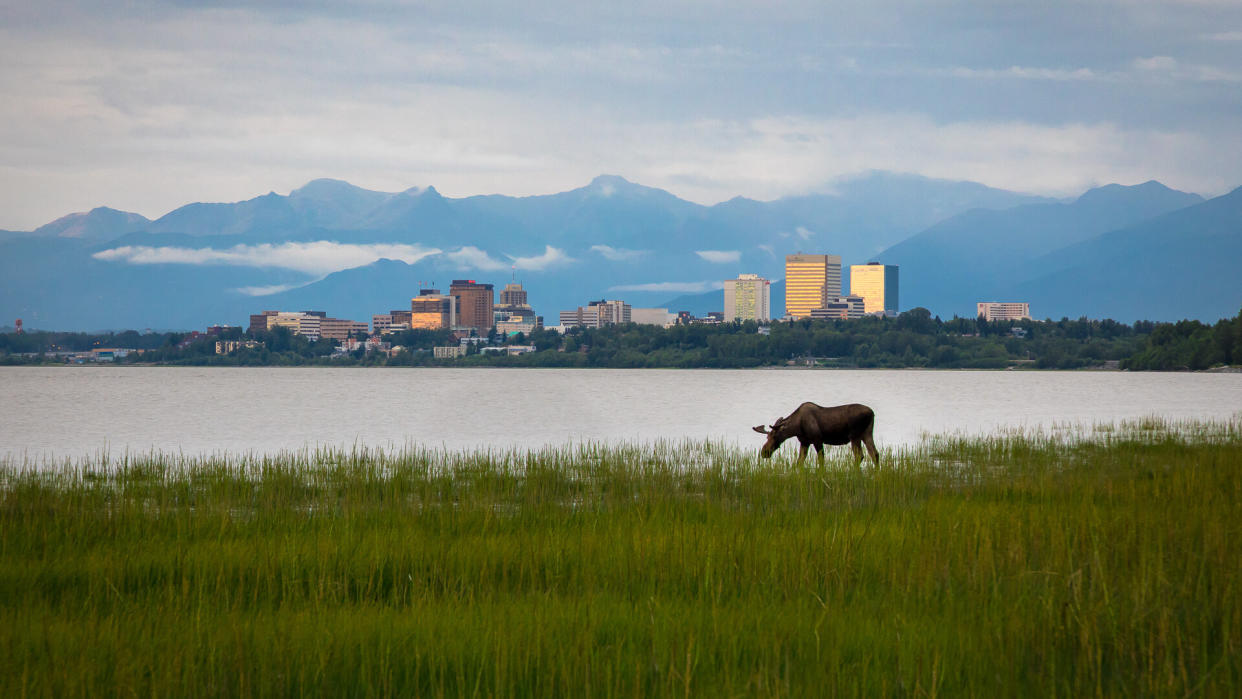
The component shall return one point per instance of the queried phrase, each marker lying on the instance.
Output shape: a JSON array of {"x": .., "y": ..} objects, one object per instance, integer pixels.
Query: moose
[{"x": 816, "y": 425}]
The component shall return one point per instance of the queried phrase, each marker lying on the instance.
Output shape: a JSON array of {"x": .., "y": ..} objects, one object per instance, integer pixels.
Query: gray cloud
[
  {"x": 152, "y": 105},
  {"x": 719, "y": 256},
  {"x": 320, "y": 257},
  {"x": 617, "y": 254}
]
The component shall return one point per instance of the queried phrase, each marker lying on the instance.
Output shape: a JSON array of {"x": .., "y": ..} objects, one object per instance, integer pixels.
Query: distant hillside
[
  {"x": 954, "y": 264},
  {"x": 1184, "y": 264}
]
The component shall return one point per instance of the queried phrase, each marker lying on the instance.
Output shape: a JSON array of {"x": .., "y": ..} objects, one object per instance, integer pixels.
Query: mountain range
[{"x": 1143, "y": 251}]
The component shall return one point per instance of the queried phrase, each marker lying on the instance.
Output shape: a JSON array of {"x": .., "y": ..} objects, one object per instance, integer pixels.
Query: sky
[{"x": 145, "y": 106}]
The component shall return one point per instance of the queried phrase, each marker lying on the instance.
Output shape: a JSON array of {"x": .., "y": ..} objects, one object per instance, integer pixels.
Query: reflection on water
[{"x": 58, "y": 412}]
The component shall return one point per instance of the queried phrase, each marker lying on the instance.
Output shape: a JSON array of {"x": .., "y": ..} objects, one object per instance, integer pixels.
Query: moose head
[{"x": 777, "y": 434}]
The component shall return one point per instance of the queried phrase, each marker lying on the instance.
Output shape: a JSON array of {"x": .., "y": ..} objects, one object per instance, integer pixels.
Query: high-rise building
[
  {"x": 994, "y": 310},
  {"x": 513, "y": 295},
  {"x": 431, "y": 310},
  {"x": 809, "y": 281},
  {"x": 749, "y": 297},
  {"x": 474, "y": 304},
  {"x": 877, "y": 284},
  {"x": 513, "y": 314}
]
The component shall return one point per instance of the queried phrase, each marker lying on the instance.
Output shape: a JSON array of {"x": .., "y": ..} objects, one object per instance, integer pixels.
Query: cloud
[
  {"x": 267, "y": 290},
  {"x": 1168, "y": 68},
  {"x": 678, "y": 287},
  {"x": 1156, "y": 63},
  {"x": 470, "y": 257},
  {"x": 551, "y": 257},
  {"x": 1017, "y": 72},
  {"x": 719, "y": 256},
  {"x": 617, "y": 254},
  {"x": 767, "y": 248},
  {"x": 804, "y": 233},
  {"x": 320, "y": 257},
  {"x": 148, "y": 110}
]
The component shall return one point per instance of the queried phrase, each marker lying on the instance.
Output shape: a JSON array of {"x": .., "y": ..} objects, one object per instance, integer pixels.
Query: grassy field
[{"x": 1105, "y": 563}]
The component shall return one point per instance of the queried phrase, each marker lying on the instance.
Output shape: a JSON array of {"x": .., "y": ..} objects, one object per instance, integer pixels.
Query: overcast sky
[{"x": 154, "y": 105}]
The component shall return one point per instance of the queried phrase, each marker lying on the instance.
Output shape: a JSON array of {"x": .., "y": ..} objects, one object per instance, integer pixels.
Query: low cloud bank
[
  {"x": 719, "y": 256},
  {"x": 320, "y": 257},
  {"x": 323, "y": 257},
  {"x": 617, "y": 254}
]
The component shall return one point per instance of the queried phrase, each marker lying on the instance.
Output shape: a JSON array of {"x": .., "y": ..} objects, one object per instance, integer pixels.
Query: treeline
[
  {"x": 1190, "y": 345},
  {"x": 913, "y": 339}
]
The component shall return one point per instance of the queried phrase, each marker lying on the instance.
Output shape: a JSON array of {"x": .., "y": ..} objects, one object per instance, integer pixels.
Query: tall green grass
[{"x": 1108, "y": 561}]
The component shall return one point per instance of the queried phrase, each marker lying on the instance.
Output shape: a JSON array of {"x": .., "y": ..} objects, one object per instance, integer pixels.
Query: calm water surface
[{"x": 58, "y": 412}]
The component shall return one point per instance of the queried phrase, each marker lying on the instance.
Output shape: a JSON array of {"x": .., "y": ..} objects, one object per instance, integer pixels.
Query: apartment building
[{"x": 749, "y": 297}]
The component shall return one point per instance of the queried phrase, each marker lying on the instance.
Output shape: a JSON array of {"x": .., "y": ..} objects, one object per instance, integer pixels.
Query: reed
[{"x": 1102, "y": 560}]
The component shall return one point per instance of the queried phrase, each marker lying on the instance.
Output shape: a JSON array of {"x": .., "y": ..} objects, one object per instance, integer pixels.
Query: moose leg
[
  {"x": 858, "y": 452},
  {"x": 875, "y": 455},
  {"x": 819, "y": 449},
  {"x": 802, "y": 452}
]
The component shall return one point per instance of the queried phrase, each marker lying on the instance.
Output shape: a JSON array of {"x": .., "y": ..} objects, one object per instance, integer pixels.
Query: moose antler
[{"x": 760, "y": 429}]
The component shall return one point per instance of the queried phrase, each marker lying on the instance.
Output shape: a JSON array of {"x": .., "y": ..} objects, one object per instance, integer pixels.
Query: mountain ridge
[{"x": 609, "y": 238}]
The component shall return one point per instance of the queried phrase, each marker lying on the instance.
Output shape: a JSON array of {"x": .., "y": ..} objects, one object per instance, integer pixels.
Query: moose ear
[{"x": 760, "y": 429}]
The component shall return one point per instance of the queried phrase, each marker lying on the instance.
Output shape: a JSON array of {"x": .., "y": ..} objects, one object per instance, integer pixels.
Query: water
[{"x": 66, "y": 412}]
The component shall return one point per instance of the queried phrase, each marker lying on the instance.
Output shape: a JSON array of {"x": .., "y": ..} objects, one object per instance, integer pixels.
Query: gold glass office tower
[
  {"x": 877, "y": 284},
  {"x": 809, "y": 281}
]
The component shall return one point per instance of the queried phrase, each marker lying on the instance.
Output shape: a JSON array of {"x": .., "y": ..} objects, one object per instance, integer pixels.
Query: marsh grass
[{"x": 1103, "y": 560}]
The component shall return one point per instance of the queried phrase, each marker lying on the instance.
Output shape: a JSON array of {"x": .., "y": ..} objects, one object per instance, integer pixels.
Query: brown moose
[{"x": 816, "y": 425}]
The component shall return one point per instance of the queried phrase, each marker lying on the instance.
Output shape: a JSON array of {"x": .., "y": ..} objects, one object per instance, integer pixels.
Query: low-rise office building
[
  {"x": 231, "y": 346},
  {"x": 597, "y": 314},
  {"x": 840, "y": 308},
  {"x": 653, "y": 316},
  {"x": 306, "y": 324},
  {"x": 1004, "y": 310},
  {"x": 310, "y": 324},
  {"x": 449, "y": 352},
  {"x": 339, "y": 328}
]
